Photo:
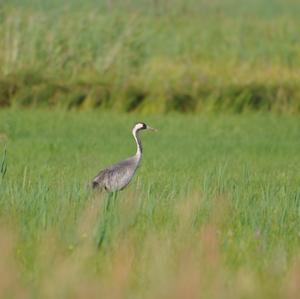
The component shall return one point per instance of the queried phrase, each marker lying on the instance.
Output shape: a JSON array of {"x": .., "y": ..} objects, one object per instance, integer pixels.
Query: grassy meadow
[
  {"x": 213, "y": 212},
  {"x": 151, "y": 56}
]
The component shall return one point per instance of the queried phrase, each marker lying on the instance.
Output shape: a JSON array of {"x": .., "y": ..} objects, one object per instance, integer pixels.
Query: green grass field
[
  {"x": 213, "y": 212},
  {"x": 151, "y": 56}
]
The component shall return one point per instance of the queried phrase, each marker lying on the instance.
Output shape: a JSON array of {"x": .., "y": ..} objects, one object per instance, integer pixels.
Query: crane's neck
[{"x": 139, "y": 148}]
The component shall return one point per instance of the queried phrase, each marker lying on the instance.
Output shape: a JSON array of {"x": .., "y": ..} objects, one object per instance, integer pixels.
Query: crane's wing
[{"x": 116, "y": 176}]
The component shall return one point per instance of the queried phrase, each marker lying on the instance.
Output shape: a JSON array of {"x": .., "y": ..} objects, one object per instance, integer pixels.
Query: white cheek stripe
[{"x": 137, "y": 127}]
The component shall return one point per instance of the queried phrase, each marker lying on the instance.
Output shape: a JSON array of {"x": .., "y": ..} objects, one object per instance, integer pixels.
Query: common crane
[{"x": 117, "y": 176}]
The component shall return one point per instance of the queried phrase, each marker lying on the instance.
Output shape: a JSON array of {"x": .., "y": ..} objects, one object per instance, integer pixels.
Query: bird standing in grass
[{"x": 116, "y": 177}]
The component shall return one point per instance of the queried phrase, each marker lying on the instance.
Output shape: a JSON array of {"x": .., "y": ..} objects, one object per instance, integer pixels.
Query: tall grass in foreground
[
  {"x": 153, "y": 56},
  {"x": 174, "y": 263},
  {"x": 213, "y": 211}
]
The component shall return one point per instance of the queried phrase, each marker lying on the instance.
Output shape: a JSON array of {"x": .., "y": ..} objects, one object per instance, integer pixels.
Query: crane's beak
[{"x": 151, "y": 129}]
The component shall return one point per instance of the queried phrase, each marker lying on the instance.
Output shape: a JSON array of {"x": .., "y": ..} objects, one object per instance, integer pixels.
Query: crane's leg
[
  {"x": 114, "y": 198},
  {"x": 110, "y": 202}
]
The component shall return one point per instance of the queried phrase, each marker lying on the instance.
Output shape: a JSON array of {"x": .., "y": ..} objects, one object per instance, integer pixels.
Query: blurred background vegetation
[
  {"x": 151, "y": 56},
  {"x": 214, "y": 211}
]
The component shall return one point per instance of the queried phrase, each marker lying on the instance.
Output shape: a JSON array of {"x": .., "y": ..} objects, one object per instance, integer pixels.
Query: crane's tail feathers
[{"x": 97, "y": 186}]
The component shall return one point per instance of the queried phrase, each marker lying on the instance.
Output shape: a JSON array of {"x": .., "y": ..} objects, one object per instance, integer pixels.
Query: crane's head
[{"x": 142, "y": 126}]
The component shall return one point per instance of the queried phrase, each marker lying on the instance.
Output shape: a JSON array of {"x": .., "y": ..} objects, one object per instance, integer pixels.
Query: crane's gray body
[{"x": 116, "y": 177}]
